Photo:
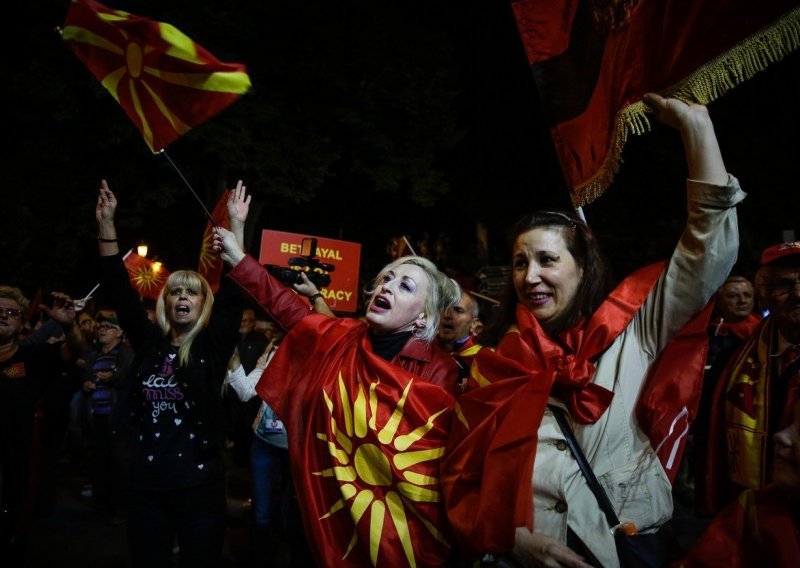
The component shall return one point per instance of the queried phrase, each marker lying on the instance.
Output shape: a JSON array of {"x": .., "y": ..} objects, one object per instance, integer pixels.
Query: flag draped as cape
[{"x": 365, "y": 442}]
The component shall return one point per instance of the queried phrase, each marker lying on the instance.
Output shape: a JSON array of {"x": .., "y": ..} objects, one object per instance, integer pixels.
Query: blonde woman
[{"x": 172, "y": 402}]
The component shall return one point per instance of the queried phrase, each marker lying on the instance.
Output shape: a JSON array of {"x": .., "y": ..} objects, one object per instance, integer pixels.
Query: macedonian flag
[
  {"x": 366, "y": 439},
  {"x": 210, "y": 265},
  {"x": 593, "y": 60},
  {"x": 146, "y": 277},
  {"x": 165, "y": 81}
]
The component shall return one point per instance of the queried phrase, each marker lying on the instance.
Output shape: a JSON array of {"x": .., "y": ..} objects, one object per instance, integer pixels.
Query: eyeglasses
[
  {"x": 11, "y": 312},
  {"x": 105, "y": 327}
]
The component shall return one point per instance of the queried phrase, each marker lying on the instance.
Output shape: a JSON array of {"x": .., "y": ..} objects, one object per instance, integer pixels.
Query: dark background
[{"x": 367, "y": 120}]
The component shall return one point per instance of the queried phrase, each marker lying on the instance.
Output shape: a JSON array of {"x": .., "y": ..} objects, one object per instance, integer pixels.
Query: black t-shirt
[{"x": 168, "y": 449}]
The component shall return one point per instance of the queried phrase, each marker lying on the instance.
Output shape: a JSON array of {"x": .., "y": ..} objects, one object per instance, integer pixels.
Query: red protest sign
[{"x": 277, "y": 247}]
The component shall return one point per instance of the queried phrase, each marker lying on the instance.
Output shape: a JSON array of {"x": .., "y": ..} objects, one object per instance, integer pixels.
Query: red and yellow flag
[
  {"x": 592, "y": 62},
  {"x": 366, "y": 439},
  {"x": 166, "y": 82},
  {"x": 210, "y": 265},
  {"x": 147, "y": 277}
]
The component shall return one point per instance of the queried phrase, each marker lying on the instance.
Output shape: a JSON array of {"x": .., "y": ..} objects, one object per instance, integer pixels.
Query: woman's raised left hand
[{"x": 238, "y": 203}]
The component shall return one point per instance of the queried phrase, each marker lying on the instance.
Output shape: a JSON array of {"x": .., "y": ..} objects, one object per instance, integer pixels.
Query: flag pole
[
  {"x": 200, "y": 201},
  {"x": 81, "y": 302},
  {"x": 408, "y": 244},
  {"x": 482, "y": 297}
]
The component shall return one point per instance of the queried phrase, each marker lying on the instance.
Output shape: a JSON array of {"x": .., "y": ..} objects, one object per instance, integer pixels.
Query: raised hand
[
  {"x": 703, "y": 156},
  {"x": 106, "y": 205},
  {"x": 238, "y": 203},
  {"x": 63, "y": 310},
  {"x": 227, "y": 245},
  {"x": 676, "y": 113}
]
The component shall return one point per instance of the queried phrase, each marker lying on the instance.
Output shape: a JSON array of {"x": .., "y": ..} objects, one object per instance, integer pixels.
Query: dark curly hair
[{"x": 592, "y": 290}]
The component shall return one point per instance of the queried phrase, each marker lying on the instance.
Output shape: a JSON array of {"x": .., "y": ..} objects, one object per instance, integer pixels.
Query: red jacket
[{"x": 426, "y": 360}]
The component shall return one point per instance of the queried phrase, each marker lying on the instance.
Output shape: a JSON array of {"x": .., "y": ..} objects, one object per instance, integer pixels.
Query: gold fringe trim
[{"x": 707, "y": 84}]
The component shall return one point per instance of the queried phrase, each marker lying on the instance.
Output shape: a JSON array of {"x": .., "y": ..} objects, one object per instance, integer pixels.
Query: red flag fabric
[
  {"x": 210, "y": 265},
  {"x": 146, "y": 277},
  {"x": 593, "y": 61},
  {"x": 760, "y": 528},
  {"x": 669, "y": 399},
  {"x": 365, "y": 441},
  {"x": 166, "y": 83}
]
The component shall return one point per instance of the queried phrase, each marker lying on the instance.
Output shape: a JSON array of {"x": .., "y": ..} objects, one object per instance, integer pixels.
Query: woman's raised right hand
[
  {"x": 106, "y": 205},
  {"x": 227, "y": 245}
]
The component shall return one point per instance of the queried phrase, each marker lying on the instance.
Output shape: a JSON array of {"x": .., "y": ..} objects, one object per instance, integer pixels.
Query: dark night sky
[{"x": 503, "y": 165}]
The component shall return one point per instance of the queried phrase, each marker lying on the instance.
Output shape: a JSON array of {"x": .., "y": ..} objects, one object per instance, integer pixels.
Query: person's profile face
[{"x": 545, "y": 275}]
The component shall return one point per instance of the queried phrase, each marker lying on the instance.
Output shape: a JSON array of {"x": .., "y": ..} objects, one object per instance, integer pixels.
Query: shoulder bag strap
[{"x": 591, "y": 480}]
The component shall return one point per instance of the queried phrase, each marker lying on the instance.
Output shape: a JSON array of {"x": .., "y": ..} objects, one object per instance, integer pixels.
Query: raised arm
[
  {"x": 238, "y": 209},
  {"x": 281, "y": 303},
  {"x": 709, "y": 244},
  {"x": 113, "y": 275},
  {"x": 63, "y": 311},
  {"x": 700, "y": 145},
  {"x": 104, "y": 212}
]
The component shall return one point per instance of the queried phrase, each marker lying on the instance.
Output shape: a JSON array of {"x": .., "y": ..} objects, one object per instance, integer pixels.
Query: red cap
[{"x": 773, "y": 253}]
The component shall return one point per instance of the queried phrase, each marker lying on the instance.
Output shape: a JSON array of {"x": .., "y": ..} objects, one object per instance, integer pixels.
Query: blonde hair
[
  {"x": 443, "y": 293},
  {"x": 195, "y": 281},
  {"x": 15, "y": 294}
]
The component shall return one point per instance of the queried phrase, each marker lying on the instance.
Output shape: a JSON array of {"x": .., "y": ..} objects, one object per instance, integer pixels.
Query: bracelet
[
  {"x": 314, "y": 298},
  {"x": 102, "y": 240}
]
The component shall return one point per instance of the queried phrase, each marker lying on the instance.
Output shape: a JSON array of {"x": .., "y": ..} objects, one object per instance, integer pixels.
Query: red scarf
[
  {"x": 487, "y": 472},
  {"x": 741, "y": 329}
]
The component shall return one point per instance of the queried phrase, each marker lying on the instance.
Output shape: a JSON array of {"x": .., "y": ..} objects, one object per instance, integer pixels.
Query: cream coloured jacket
[{"x": 618, "y": 451}]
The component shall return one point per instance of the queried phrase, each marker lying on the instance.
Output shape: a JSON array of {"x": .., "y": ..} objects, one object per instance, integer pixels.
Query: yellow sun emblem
[
  {"x": 207, "y": 256},
  {"x": 145, "y": 279},
  {"x": 380, "y": 470}
]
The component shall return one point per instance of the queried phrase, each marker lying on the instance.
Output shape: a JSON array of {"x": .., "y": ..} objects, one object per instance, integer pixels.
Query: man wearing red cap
[{"x": 757, "y": 390}]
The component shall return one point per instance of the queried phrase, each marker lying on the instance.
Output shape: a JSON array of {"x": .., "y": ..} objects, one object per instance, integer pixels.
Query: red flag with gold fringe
[
  {"x": 593, "y": 60},
  {"x": 166, "y": 82},
  {"x": 147, "y": 277},
  {"x": 210, "y": 265}
]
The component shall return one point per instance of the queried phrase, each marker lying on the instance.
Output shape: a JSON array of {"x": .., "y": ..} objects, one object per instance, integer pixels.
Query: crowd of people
[{"x": 430, "y": 431}]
